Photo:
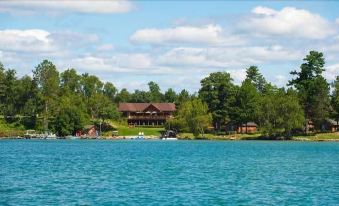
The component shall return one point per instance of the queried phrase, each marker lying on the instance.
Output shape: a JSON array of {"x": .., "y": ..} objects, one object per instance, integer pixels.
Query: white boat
[
  {"x": 168, "y": 135},
  {"x": 49, "y": 135},
  {"x": 140, "y": 136},
  {"x": 170, "y": 138}
]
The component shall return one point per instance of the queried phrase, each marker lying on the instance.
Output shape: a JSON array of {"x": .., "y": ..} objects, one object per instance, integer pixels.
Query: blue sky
[{"x": 175, "y": 43}]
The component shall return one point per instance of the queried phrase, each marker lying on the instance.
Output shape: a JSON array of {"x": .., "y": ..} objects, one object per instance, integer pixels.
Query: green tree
[
  {"x": 107, "y": 110},
  {"x": 170, "y": 96},
  {"x": 218, "y": 91},
  {"x": 123, "y": 96},
  {"x": 110, "y": 91},
  {"x": 2, "y": 86},
  {"x": 279, "y": 113},
  {"x": 71, "y": 115},
  {"x": 154, "y": 92},
  {"x": 195, "y": 115},
  {"x": 46, "y": 77},
  {"x": 183, "y": 96},
  {"x": 70, "y": 81},
  {"x": 28, "y": 101},
  {"x": 253, "y": 75},
  {"x": 335, "y": 99},
  {"x": 321, "y": 101},
  {"x": 92, "y": 87},
  {"x": 9, "y": 83},
  {"x": 140, "y": 96},
  {"x": 246, "y": 104},
  {"x": 312, "y": 88}
]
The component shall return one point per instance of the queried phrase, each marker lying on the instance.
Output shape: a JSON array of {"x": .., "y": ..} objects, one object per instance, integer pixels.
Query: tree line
[
  {"x": 64, "y": 102},
  {"x": 307, "y": 100}
]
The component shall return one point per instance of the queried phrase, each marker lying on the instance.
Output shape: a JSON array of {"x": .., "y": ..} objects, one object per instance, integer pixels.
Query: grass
[
  {"x": 124, "y": 130},
  {"x": 133, "y": 131},
  {"x": 258, "y": 136},
  {"x": 318, "y": 137},
  {"x": 209, "y": 136},
  {"x": 10, "y": 130}
]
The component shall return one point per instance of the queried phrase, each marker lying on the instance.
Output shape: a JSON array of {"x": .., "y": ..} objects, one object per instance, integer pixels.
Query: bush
[{"x": 177, "y": 125}]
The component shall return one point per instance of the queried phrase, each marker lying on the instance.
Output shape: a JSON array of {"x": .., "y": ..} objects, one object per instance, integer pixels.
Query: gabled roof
[
  {"x": 87, "y": 127},
  {"x": 140, "y": 107},
  {"x": 332, "y": 122},
  {"x": 250, "y": 124}
]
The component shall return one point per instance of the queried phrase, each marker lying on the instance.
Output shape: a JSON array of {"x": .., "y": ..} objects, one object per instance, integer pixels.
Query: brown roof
[
  {"x": 250, "y": 124},
  {"x": 332, "y": 122},
  {"x": 139, "y": 107}
]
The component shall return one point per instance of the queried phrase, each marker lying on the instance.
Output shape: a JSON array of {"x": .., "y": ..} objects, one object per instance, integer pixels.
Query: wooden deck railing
[{"x": 149, "y": 117}]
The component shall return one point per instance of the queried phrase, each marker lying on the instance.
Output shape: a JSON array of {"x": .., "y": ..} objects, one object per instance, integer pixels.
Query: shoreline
[{"x": 152, "y": 138}]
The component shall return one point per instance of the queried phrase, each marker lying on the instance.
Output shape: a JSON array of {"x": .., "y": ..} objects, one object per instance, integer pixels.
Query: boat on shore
[
  {"x": 31, "y": 134},
  {"x": 168, "y": 135},
  {"x": 169, "y": 138},
  {"x": 140, "y": 136}
]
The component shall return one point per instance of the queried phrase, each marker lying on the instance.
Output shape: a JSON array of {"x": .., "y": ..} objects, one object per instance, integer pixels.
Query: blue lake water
[{"x": 94, "y": 172}]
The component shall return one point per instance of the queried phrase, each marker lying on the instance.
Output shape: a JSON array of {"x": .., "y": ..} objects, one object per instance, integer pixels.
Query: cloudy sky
[{"x": 175, "y": 43}]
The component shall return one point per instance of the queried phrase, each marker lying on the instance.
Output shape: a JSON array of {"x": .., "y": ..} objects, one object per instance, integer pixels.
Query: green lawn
[
  {"x": 124, "y": 130},
  {"x": 133, "y": 131}
]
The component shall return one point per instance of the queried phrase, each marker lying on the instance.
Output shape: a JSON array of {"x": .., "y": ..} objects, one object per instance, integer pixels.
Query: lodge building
[{"x": 147, "y": 113}]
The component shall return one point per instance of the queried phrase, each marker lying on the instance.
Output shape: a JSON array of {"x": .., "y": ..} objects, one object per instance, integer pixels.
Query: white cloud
[
  {"x": 137, "y": 61},
  {"x": 223, "y": 57},
  {"x": 61, "y": 6},
  {"x": 331, "y": 72},
  {"x": 280, "y": 80},
  {"x": 289, "y": 21},
  {"x": 186, "y": 56},
  {"x": 105, "y": 47},
  {"x": 97, "y": 64},
  {"x": 264, "y": 11},
  {"x": 42, "y": 42},
  {"x": 238, "y": 75},
  {"x": 34, "y": 40},
  {"x": 209, "y": 34},
  {"x": 134, "y": 62}
]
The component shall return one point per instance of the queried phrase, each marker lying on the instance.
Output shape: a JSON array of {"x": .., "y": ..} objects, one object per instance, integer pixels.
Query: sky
[{"x": 174, "y": 43}]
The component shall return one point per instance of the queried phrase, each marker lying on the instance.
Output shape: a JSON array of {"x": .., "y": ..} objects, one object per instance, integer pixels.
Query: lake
[{"x": 127, "y": 172}]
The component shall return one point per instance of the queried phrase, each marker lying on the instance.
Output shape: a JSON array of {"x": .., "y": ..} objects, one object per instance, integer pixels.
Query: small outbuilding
[
  {"x": 88, "y": 131},
  {"x": 249, "y": 127},
  {"x": 331, "y": 125}
]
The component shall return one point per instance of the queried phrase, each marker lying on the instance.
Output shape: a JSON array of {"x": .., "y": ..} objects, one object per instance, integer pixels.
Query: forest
[{"x": 63, "y": 102}]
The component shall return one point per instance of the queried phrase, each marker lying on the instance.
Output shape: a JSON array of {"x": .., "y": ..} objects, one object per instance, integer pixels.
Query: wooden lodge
[{"x": 152, "y": 114}]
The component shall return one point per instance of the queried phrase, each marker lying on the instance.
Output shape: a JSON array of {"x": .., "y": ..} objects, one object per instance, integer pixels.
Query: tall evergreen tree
[
  {"x": 46, "y": 77},
  {"x": 70, "y": 81},
  {"x": 246, "y": 105},
  {"x": 170, "y": 96},
  {"x": 253, "y": 75},
  {"x": 218, "y": 91},
  {"x": 335, "y": 99},
  {"x": 312, "y": 88},
  {"x": 154, "y": 92}
]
